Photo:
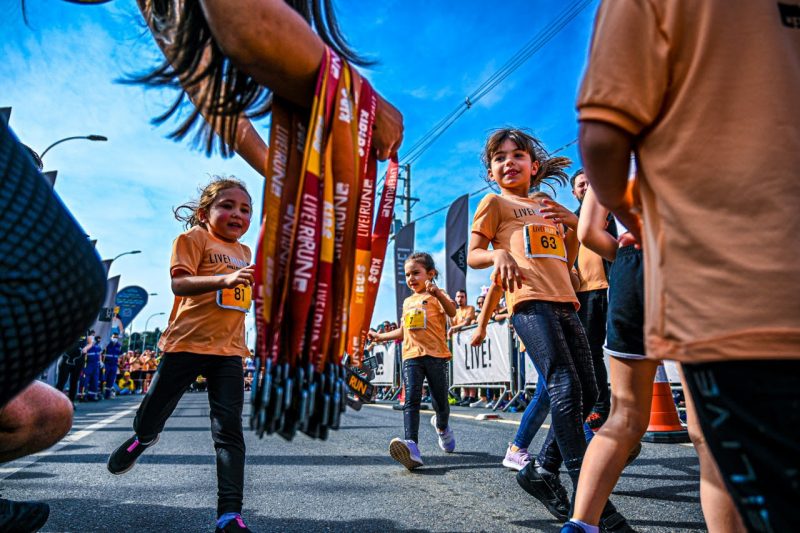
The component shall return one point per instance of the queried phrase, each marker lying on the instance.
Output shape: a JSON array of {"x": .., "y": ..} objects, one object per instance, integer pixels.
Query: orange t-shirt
[
  {"x": 199, "y": 324},
  {"x": 505, "y": 221},
  {"x": 464, "y": 315},
  {"x": 708, "y": 90},
  {"x": 591, "y": 271},
  {"x": 424, "y": 327}
]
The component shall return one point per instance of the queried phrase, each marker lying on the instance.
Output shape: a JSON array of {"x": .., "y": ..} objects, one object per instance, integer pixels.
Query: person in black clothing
[{"x": 71, "y": 366}]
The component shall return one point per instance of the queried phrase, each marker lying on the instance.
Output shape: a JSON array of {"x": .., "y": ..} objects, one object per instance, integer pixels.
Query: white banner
[
  {"x": 488, "y": 363},
  {"x": 384, "y": 374}
]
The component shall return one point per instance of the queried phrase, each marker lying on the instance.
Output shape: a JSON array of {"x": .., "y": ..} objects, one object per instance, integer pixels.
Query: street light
[
  {"x": 65, "y": 139},
  {"x": 146, "y": 323},
  {"x": 132, "y": 252}
]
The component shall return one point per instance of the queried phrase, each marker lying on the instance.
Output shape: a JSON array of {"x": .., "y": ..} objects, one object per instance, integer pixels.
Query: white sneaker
[
  {"x": 447, "y": 440},
  {"x": 405, "y": 452},
  {"x": 479, "y": 403},
  {"x": 516, "y": 460}
]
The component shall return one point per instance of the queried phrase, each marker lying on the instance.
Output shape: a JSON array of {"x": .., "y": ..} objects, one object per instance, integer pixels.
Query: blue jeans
[
  {"x": 415, "y": 370},
  {"x": 534, "y": 416},
  {"x": 555, "y": 339}
]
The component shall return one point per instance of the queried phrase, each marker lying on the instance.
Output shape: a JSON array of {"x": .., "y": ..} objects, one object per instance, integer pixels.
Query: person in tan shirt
[
  {"x": 211, "y": 278},
  {"x": 465, "y": 314},
  {"x": 425, "y": 356},
  {"x": 532, "y": 254},
  {"x": 705, "y": 94}
]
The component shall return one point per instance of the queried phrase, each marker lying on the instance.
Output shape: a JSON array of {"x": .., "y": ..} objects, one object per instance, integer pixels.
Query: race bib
[
  {"x": 544, "y": 241},
  {"x": 238, "y": 298},
  {"x": 416, "y": 318}
]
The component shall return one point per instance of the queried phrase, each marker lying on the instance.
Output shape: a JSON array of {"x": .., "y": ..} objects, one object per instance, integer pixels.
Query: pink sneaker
[{"x": 516, "y": 460}]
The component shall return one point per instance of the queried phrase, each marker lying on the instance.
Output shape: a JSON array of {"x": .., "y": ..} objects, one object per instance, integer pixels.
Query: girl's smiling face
[
  {"x": 512, "y": 168},
  {"x": 416, "y": 276},
  {"x": 228, "y": 218}
]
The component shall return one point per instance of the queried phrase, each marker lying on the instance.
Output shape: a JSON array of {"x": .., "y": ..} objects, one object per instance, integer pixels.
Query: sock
[
  {"x": 584, "y": 526},
  {"x": 223, "y": 520}
]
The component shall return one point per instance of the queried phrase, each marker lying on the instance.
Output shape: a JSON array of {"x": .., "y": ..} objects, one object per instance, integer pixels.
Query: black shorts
[{"x": 625, "y": 323}]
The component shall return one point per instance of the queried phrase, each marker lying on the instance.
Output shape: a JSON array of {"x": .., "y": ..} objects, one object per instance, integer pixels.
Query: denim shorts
[{"x": 625, "y": 322}]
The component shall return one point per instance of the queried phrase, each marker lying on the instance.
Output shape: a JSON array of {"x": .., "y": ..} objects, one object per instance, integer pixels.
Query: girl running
[
  {"x": 425, "y": 355},
  {"x": 530, "y": 256},
  {"x": 211, "y": 278}
]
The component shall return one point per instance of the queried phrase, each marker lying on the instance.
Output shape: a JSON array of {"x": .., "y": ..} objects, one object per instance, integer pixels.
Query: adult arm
[
  {"x": 270, "y": 41},
  {"x": 248, "y": 143},
  {"x": 606, "y": 150}
]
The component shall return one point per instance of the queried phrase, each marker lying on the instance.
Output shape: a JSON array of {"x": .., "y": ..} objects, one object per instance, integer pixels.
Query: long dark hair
[
  {"x": 551, "y": 169},
  {"x": 195, "y": 58}
]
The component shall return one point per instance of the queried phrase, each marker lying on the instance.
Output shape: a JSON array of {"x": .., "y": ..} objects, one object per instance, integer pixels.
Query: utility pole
[{"x": 406, "y": 196}]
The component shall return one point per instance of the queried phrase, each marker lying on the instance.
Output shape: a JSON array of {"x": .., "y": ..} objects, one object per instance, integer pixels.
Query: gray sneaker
[{"x": 447, "y": 440}]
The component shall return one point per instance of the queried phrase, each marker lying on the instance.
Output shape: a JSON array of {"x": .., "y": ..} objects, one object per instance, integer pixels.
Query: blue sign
[{"x": 130, "y": 301}]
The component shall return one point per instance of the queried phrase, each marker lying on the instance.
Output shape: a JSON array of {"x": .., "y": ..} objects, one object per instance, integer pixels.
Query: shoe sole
[
  {"x": 543, "y": 498},
  {"x": 400, "y": 453},
  {"x": 119, "y": 473},
  {"x": 512, "y": 465}
]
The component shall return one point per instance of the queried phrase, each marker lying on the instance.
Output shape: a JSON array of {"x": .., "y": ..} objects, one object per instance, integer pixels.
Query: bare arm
[
  {"x": 270, "y": 41},
  {"x": 489, "y": 304},
  {"x": 572, "y": 244},
  {"x": 606, "y": 150},
  {"x": 395, "y": 334},
  {"x": 592, "y": 228},
  {"x": 447, "y": 303},
  {"x": 479, "y": 257},
  {"x": 248, "y": 144},
  {"x": 186, "y": 285}
]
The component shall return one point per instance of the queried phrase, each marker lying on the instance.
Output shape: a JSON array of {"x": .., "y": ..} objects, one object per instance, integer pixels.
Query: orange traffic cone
[{"x": 665, "y": 426}]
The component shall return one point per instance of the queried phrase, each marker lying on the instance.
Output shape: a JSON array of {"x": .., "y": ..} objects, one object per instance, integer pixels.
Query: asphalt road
[{"x": 347, "y": 483}]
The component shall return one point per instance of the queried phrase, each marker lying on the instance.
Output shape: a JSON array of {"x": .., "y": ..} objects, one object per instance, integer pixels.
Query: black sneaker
[
  {"x": 546, "y": 488},
  {"x": 22, "y": 517},
  {"x": 611, "y": 521},
  {"x": 634, "y": 453},
  {"x": 124, "y": 457},
  {"x": 236, "y": 525}
]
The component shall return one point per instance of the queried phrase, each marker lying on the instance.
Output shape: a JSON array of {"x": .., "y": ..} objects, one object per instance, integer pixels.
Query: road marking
[
  {"x": 458, "y": 415},
  {"x": 71, "y": 438}
]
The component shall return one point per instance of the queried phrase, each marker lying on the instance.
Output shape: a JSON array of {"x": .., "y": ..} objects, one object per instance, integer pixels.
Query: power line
[{"x": 520, "y": 57}]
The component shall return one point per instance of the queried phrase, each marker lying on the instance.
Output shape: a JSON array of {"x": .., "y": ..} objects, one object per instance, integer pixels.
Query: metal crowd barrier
[{"x": 495, "y": 364}]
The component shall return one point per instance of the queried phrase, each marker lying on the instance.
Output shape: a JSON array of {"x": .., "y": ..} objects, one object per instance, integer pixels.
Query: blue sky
[{"x": 60, "y": 77}]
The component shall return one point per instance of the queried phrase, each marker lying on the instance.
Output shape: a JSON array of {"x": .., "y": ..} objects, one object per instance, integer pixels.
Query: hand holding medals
[{"x": 319, "y": 261}]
